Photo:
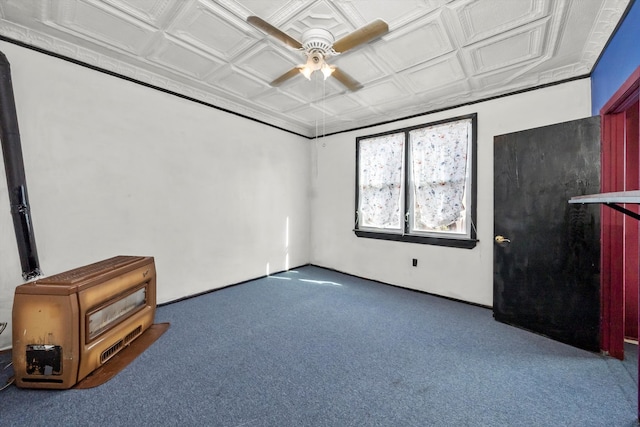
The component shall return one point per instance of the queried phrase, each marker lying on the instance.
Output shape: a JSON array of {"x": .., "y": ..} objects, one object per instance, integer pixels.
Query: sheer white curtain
[
  {"x": 439, "y": 174},
  {"x": 380, "y": 181}
]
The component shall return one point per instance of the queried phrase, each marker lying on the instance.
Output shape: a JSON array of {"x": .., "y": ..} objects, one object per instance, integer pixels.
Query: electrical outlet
[{"x": 415, "y": 262}]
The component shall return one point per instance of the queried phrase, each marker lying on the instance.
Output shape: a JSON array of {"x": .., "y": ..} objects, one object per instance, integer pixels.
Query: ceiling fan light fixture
[
  {"x": 306, "y": 71},
  {"x": 316, "y": 62},
  {"x": 326, "y": 70}
]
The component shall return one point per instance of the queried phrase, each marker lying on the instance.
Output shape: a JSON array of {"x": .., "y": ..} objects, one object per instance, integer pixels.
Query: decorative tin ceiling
[{"x": 437, "y": 53}]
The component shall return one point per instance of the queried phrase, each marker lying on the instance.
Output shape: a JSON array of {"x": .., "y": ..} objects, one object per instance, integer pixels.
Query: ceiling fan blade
[
  {"x": 286, "y": 76},
  {"x": 348, "y": 81},
  {"x": 274, "y": 32},
  {"x": 362, "y": 35}
]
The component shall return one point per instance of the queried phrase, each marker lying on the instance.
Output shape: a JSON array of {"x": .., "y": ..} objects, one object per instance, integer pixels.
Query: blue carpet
[{"x": 313, "y": 347}]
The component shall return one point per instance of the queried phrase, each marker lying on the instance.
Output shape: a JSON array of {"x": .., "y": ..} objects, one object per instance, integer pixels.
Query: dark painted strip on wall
[{"x": 16, "y": 178}]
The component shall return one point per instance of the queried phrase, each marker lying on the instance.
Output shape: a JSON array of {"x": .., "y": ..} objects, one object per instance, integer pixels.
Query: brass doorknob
[{"x": 502, "y": 239}]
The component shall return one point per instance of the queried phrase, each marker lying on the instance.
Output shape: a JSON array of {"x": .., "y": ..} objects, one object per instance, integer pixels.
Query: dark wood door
[{"x": 546, "y": 267}]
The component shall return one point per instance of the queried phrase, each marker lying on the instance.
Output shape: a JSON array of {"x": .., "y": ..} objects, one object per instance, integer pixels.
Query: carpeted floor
[{"x": 313, "y": 347}]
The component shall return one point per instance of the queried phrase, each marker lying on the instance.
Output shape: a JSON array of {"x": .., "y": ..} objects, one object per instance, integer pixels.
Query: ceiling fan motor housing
[{"x": 318, "y": 40}]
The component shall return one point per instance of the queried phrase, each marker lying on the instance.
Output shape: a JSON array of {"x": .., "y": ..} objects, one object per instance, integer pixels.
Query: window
[{"x": 418, "y": 184}]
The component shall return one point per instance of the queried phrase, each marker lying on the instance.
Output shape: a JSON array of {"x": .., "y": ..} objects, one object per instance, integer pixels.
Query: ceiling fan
[{"x": 318, "y": 45}]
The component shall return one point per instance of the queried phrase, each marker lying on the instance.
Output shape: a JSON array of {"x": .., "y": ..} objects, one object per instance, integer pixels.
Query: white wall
[
  {"x": 464, "y": 274},
  {"x": 115, "y": 168}
]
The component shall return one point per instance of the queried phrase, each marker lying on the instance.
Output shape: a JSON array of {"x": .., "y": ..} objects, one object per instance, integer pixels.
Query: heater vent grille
[
  {"x": 111, "y": 351},
  {"x": 131, "y": 335}
]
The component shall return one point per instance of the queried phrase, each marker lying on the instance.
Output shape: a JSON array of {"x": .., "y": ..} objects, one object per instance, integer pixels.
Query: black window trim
[{"x": 404, "y": 236}]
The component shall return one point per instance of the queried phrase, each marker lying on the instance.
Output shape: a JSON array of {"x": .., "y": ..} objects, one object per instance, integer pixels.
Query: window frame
[{"x": 466, "y": 241}]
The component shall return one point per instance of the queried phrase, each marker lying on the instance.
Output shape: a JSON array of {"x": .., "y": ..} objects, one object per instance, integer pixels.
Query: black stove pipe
[{"x": 16, "y": 179}]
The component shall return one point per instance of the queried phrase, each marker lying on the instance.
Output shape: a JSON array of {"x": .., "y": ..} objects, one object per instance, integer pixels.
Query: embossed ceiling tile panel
[
  {"x": 454, "y": 94},
  {"x": 286, "y": 17},
  {"x": 65, "y": 49},
  {"x": 100, "y": 23},
  {"x": 237, "y": 83},
  {"x": 359, "y": 65},
  {"x": 581, "y": 19},
  {"x": 127, "y": 70},
  {"x": 313, "y": 90},
  {"x": 379, "y": 93},
  {"x": 482, "y": 19},
  {"x": 109, "y": 63},
  {"x": 419, "y": 42},
  {"x": 153, "y": 12},
  {"x": 561, "y": 73},
  {"x": 339, "y": 105},
  {"x": 330, "y": 123},
  {"x": 212, "y": 29},
  {"x": 602, "y": 28},
  {"x": 268, "y": 62},
  {"x": 177, "y": 55},
  {"x": 497, "y": 79},
  {"x": 307, "y": 114},
  {"x": 262, "y": 8},
  {"x": 277, "y": 100},
  {"x": 17, "y": 10},
  {"x": 544, "y": 70},
  {"x": 508, "y": 87},
  {"x": 523, "y": 44},
  {"x": 435, "y": 74},
  {"x": 320, "y": 14},
  {"x": 160, "y": 81},
  {"x": 400, "y": 108},
  {"x": 88, "y": 56},
  {"x": 396, "y": 14},
  {"x": 355, "y": 116},
  {"x": 551, "y": 56}
]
